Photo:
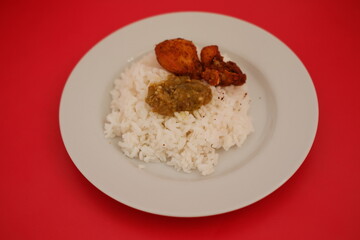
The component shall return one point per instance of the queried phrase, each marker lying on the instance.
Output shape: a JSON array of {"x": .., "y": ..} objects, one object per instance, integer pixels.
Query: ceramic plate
[{"x": 284, "y": 110}]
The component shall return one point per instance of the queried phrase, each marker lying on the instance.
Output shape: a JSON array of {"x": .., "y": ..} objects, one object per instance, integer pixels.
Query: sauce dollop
[{"x": 176, "y": 94}]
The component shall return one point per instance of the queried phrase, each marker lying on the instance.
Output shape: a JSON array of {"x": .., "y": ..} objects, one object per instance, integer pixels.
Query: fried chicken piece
[
  {"x": 209, "y": 54},
  {"x": 217, "y": 72},
  {"x": 212, "y": 76},
  {"x": 179, "y": 56}
]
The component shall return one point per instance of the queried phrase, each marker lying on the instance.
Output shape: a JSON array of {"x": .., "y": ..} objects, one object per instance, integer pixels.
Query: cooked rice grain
[{"x": 187, "y": 141}]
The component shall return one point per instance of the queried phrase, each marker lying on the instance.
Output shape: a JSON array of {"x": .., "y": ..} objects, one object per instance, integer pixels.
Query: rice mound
[{"x": 187, "y": 141}]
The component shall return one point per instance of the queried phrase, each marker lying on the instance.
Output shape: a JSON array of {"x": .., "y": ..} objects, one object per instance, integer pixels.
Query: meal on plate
[{"x": 179, "y": 107}]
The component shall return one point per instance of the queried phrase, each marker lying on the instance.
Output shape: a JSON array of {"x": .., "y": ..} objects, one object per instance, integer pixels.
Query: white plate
[{"x": 284, "y": 111}]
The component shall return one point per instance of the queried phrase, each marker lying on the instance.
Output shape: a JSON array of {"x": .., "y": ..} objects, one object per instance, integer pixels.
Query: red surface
[{"x": 44, "y": 196}]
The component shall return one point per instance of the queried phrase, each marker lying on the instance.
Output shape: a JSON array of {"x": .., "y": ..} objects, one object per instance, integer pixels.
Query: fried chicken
[
  {"x": 179, "y": 56},
  {"x": 216, "y": 71}
]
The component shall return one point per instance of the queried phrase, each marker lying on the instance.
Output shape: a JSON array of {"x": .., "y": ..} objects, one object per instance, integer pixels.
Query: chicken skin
[
  {"x": 217, "y": 72},
  {"x": 179, "y": 56}
]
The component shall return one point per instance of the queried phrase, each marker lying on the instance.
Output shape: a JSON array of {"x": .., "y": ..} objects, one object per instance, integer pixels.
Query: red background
[{"x": 44, "y": 196}]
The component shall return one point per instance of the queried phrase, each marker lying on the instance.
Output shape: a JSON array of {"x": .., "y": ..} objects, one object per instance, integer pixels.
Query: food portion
[
  {"x": 217, "y": 71},
  {"x": 177, "y": 94},
  {"x": 179, "y": 56},
  {"x": 164, "y": 111}
]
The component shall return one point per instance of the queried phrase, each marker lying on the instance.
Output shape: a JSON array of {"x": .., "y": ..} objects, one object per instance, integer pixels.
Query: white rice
[{"x": 186, "y": 141}]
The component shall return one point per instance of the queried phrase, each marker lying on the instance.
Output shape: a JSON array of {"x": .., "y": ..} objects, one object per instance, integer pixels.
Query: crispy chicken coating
[
  {"x": 179, "y": 56},
  {"x": 209, "y": 54},
  {"x": 216, "y": 71}
]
